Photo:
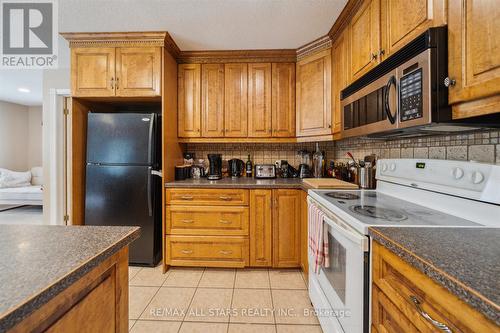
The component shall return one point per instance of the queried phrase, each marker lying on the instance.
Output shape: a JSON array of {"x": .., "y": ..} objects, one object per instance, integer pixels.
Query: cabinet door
[
  {"x": 286, "y": 228},
  {"x": 212, "y": 100},
  {"x": 314, "y": 95},
  {"x": 364, "y": 38},
  {"x": 259, "y": 100},
  {"x": 474, "y": 56},
  {"x": 339, "y": 78},
  {"x": 189, "y": 100},
  {"x": 138, "y": 71},
  {"x": 283, "y": 100},
  {"x": 93, "y": 72},
  {"x": 402, "y": 21},
  {"x": 235, "y": 100},
  {"x": 304, "y": 239},
  {"x": 261, "y": 228}
]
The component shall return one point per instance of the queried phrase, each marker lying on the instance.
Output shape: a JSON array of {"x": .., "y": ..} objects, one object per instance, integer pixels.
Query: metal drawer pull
[
  {"x": 223, "y": 197},
  {"x": 424, "y": 314},
  {"x": 225, "y": 252},
  {"x": 187, "y": 221},
  {"x": 187, "y": 197},
  {"x": 225, "y": 222},
  {"x": 187, "y": 251}
]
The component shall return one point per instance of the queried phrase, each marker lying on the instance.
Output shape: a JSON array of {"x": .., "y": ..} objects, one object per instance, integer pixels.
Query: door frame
[{"x": 57, "y": 163}]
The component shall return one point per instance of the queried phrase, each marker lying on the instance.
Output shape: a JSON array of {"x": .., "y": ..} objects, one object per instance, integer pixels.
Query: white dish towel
[{"x": 318, "y": 237}]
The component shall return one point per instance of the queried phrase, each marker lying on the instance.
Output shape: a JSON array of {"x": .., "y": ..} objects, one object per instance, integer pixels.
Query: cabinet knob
[
  {"x": 117, "y": 81},
  {"x": 381, "y": 52},
  {"x": 374, "y": 56},
  {"x": 449, "y": 82},
  {"x": 112, "y": 83}
]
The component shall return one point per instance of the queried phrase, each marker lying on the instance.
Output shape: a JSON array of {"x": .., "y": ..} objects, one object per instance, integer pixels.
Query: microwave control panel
[{"x": 411, "y": 96}]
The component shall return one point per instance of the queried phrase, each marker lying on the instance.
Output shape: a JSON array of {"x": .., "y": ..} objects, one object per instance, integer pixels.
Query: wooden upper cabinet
[
  {"x": 339, "y": 78},
  {"x": 403, "y": 21},
  {"x": 212, "y": 100},
  {"x": 283, "y": 99},
  {"x": 474, "y": 57},
  {"x": 92, "y": 72},
  {"x": 259, "y": 100},
  {"x": 189, "y": 114},
  {"x": 314, "y": 94},
  {"x": 364, "y": 38},
  {"x": 286, "y": 228},
  {"x": 235, "y": 100},
  {"x": 138, "y": 71}
]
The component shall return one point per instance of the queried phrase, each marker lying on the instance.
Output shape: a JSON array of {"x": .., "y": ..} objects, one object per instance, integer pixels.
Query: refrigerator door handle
[
  {"x": 150, "y": 203},
  {"x": 156, "y": 173},
  {"x": 151, "y": 145}
]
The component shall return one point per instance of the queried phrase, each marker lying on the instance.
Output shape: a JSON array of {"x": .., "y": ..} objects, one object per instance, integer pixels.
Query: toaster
[{"x": 265, "y": 171}]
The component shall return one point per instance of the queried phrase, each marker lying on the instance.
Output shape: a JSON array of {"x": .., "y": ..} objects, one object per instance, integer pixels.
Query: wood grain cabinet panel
[
  {"x": 138, "y": 71},
  {"x": 314, "y": 94},
  {"x": 206, "y": 197},
  {"x": 286, "y": 228},
  {"x": 364, "y": 39},
  {"x": 92, "y": 72},
  {"x": 339, "y": 78},
  {"x": 283, "y": 99},
  {"x": 396, "y": 288},
  {"x": 304, "y": 240},
  {"x": 261, "y": 228},
  {"x": 403, "y": 21},
  {"x": 474, "y": 57},
  {"x": 212, "y": 100},
  {"x": 189, "y": 114},
  {"x": 259, "y": 100},
  {"x": 235, "y": 100}
]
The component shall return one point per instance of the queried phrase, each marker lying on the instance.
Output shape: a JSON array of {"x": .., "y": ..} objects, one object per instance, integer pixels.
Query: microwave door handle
[{"x": 387, "y": 106}]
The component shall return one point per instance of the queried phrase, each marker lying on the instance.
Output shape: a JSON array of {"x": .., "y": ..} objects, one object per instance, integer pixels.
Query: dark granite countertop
[
  {"x": 242, "y": 182},
  {"x": 39, "y": 262},
  {"x": 463, "y": 260}
]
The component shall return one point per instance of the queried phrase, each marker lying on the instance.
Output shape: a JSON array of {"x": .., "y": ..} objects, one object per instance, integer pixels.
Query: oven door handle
[
  {"x": 340, "y": 227},
  {"x": 387, "y": 106}
]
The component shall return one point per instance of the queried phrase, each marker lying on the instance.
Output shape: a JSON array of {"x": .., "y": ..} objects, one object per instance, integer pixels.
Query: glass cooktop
[{"x": 375, "y": 208}]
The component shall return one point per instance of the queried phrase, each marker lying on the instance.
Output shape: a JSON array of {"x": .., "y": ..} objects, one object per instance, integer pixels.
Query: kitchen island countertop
[
  {"x": 462, "y": 260},
  {"x": 37, "y": 263}
]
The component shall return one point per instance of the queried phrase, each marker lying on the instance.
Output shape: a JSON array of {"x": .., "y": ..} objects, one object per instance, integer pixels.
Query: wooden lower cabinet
[
  {"x": 286, "y": 228},
  {"x": 261, "y": 228},
  {"x": 257, "y": 228},
  {"x": 400, "y": 293},
  {"x": 97, "y": 302}
]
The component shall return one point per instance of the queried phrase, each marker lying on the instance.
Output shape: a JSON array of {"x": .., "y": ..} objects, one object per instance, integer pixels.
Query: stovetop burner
[
  {"x": 379, "y": 213},
  {"x": 342, "y": 195}
]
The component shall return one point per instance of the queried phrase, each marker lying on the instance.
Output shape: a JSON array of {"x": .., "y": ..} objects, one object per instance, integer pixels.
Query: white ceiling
[{"x": 194, "y": 25}]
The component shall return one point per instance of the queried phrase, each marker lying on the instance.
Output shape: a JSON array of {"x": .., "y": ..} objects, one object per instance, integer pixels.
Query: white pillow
[
  {"x": 9, "y": 178},
  {"x": 36, "y": 176}
]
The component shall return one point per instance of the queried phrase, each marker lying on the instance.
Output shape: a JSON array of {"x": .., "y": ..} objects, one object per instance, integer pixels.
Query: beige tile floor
[{"x": 191, "y": 300}]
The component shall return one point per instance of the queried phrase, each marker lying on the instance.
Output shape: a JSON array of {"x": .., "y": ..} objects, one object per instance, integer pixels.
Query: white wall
[
  {"x": 14, "y": 136},
  {"x": 35, "y": 124}
]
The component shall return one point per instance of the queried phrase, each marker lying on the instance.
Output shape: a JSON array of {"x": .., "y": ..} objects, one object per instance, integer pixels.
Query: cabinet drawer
[
  {"x": 203, "y": 220},
  {"x": 197, "y": 197},
  {"x": 415, "y": 295},
  {"x": 211, "y": 251}
]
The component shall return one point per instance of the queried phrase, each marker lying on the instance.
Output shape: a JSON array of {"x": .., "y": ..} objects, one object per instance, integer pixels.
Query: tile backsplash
[{"x": 481, "y": 146}]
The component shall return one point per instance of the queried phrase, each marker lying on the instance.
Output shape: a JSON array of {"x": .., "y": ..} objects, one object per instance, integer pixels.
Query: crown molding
[
  {"x": 226, "y": 56},
  {"x": 345, "y": 16},
  {"x": 313, "y": 47}
]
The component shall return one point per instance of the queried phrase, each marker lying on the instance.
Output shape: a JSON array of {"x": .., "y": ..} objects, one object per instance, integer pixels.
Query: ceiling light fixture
[{"x": 23, "y": 90}]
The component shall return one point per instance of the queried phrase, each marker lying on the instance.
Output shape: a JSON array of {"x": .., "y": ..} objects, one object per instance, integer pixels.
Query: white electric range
[{"x": 410, "y": 193}]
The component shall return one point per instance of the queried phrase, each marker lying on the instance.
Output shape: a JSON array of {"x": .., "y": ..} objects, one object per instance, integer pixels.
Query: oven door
[
  {"x": 344, "y": 281},
  {"x": 372, "y": 109}
]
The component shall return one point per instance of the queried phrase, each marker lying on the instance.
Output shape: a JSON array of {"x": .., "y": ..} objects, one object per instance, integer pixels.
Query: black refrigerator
[{"x": 123, "y": 180}]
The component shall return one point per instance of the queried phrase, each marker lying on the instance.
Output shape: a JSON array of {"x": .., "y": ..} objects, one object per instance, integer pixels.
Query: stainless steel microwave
[{"x": 407, "y": 94}]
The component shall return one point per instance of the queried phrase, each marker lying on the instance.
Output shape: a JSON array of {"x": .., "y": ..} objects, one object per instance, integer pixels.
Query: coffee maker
[{"x": 214, "y": 167}]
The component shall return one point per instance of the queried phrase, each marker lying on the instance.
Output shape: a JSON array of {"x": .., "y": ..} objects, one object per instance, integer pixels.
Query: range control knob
[
  {"x": 477, "y": 177},
  {"x": 384, "y": 167},
  {"x": 393, "y": 166},
  {"x": 458, "y": 173}
]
